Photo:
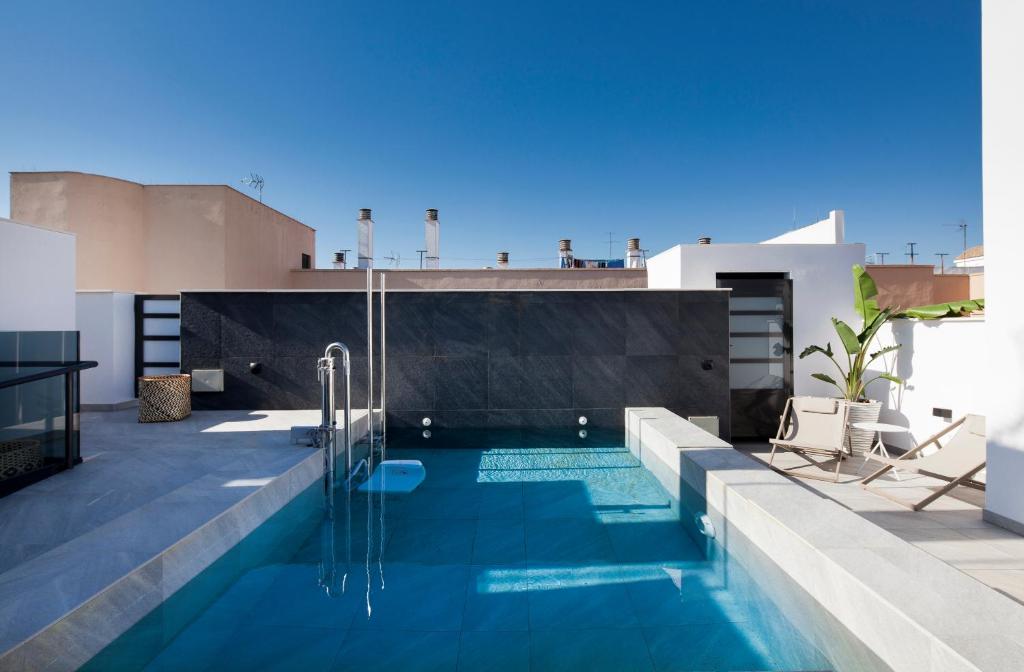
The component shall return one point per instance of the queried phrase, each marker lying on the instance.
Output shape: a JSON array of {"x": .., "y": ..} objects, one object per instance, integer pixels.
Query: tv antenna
[
  {"x": 942, "y": 261},
  {"x": 962, "y": 226},
  {"x": 254, "y": 181},
  {"x": 882, "y": 256},
  {"x": 395, "y": 259},
  {"x": 911, "y": 254},
  {"x": 421, "y": 253},
  {"x": 610, "y": 243}
]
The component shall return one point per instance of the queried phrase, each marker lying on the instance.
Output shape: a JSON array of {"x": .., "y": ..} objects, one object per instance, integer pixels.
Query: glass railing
[{"x": 38, "y": 405}]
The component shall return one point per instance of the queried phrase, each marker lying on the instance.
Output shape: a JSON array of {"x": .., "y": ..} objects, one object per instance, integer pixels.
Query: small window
[{"x": 306, "y": 261}]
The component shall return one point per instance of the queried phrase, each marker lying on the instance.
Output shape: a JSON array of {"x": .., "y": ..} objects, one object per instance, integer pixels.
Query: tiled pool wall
[{"x": 472, "y": 358}]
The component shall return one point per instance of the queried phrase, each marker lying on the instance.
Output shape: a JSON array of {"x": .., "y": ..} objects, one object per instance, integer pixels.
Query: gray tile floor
[
  {"x": 951, "y": 528},
  {"x": 140, "y": 489}
]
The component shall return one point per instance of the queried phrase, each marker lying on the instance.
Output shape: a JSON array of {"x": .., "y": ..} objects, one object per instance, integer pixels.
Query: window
[{"x": 306, "y": 261}]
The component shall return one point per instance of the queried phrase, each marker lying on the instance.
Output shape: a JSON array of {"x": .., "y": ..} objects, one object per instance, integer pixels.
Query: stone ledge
[{"x": 912, "y": 610}]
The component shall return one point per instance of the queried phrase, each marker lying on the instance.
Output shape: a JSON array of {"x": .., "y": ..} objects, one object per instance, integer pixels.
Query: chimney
[
  {"x": 432, "y": 228},
  {"x": 634, "y": 255},
  {"x": 364, "y": 227},
  {"x": 704, "y": 240},
  {"x": 339, "y": 259},
  {"x": 502, "y": 259},
  {"x": 565, "y": 253}
]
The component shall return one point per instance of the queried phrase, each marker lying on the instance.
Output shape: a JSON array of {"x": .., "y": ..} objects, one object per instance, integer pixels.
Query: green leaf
[
  {"x": 811, "y": 349},
  {"x": 823, "y": 377},
  {"x": 938, "y": 310},
  {"x": 883, "y": 351},
  {"x": 864, "y": 293},
  {"x": 891, "y": 378},
  {"x": 847, "y": 336}
]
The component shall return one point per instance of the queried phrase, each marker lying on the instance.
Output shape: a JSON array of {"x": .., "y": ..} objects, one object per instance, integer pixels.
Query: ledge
[{"x": 913, "y": 611}]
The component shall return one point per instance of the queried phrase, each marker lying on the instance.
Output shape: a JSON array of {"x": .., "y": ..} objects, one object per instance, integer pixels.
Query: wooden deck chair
[
  {"x": 811, "y": 426},
  {"x": 957, "y": 462}
]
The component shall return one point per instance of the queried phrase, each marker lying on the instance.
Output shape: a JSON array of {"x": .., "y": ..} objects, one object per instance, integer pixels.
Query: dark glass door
[{"x": 760, "y": 350}]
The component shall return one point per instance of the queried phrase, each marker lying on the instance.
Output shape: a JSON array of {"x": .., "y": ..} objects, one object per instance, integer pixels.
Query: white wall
[
  {"x": 822, "y": 288},
  {"x": 1002, "y": 121},
  {"x": 937, "y": 363},
  {"x": 829, "y": 231},
  {"x": 37, "y": 278},
  {"x": 106, "y": 321}
]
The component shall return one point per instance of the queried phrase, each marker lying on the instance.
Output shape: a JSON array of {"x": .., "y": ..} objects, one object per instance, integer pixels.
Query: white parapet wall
[
  {"x": 1002, "y": 125},
  {"x": 910, "y": 609},
  {"x": 106, "y": 322},
  {"x": 37, "y": 278},
  {"x": 939, "y": 362}
]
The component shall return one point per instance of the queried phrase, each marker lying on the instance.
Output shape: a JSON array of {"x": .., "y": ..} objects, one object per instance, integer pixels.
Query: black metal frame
[
  {"x": 141, "y": 338},
  {"x": 70, "y": 371},
  {"x": 761, "y": 284}
]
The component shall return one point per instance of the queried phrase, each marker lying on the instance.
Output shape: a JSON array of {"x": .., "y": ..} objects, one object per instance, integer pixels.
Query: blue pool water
[{"x": 566, "y": 555}]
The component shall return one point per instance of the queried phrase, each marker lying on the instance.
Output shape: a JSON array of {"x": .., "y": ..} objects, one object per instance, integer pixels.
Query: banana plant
[{"x": 851, "y": 381}]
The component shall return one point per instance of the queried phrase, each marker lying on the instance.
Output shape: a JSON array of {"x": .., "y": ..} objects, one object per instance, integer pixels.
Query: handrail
[{"x": 328, "y": 415}]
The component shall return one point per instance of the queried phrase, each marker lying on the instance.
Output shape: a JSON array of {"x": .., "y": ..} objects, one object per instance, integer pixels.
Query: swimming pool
[{"x": 535, "y": 551}]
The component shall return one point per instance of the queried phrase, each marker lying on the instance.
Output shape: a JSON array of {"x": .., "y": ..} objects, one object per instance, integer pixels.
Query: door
[{"x": 760, "y": 350}]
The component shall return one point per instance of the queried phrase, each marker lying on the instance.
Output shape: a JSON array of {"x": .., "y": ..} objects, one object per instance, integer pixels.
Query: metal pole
[
  {"x": 383, "y": 367},
  {"x": 369, "y": 364}
]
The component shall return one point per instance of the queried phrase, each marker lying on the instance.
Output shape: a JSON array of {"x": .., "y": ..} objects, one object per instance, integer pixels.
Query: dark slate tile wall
[{"x": 476, "y": 359}]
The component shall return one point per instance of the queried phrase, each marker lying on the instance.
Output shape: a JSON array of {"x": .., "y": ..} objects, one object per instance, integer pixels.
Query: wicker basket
[
  {"x": 165, "y": 398},
  {"x": 19, "y": 457}
]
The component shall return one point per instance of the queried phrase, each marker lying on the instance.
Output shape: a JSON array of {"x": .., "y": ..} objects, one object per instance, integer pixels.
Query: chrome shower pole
[
  {"x": 383, "y": 369},
  {"x": 328, "y": 416},
  {"x": 369, "y": 363}
]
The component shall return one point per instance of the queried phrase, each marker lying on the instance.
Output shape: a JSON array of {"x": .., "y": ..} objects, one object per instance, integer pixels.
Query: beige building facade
[{"x": 161, "y": 239}]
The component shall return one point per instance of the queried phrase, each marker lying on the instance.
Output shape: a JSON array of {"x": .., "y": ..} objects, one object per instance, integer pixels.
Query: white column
[{"x": 1002, "y": 56}]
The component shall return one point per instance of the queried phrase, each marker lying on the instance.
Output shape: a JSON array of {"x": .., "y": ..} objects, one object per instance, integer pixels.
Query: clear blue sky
[{"x": 522, "y": 122}]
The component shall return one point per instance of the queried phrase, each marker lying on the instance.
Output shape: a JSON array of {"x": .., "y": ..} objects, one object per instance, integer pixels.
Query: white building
[{"x": 784, "y": 291}]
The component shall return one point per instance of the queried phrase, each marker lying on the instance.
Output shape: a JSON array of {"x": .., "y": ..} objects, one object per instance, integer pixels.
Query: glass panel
[
  {"x": 756, "y": 323},
  {"x": 161, "y": 351},
  {"x": 756, "y": 376},
  {"x": 756, "y": 347},
  {"x": 756, "y": 303},
  {"x": 161, "y": 306},
  {"x": 161, "y": 327}
]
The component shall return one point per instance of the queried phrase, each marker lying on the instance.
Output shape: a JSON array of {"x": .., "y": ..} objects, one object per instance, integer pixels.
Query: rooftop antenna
[
  {"x": 910, "y": 252},
  {"x": 421, "y": 253},
  {"x": 942, "y": 261},
  {"x": 882, "y": 256},
  {"x": 395, "y": 259},
  {"x": 962, "y": 226},
  {"x": 610, "y": 244},
  {"x": 794, "y": 216},
  {"x": 254, "y": 181}
]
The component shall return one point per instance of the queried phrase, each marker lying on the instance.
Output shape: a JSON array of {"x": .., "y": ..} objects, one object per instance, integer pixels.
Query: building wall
[
  {"x": 829, "y": 231},
  {"x": 262, "y": 246},
  {"x": 905, "y": 285},
  {"x": 508, "y": 278},
  {"x": 935, "y": 362},
  {"x": 163, "y": 238},
  {"x": 472, "y": 358},
  {"x": 37, "y": 278},
  {"x": 1003, "y": 174},
  {"x": 822, "y": 288},
  {"x": 106, "y": 323},
  {"x": 977, "y": 285},
  {"x": 185, "y": 238},
  {"x": 107, "y": 216}
]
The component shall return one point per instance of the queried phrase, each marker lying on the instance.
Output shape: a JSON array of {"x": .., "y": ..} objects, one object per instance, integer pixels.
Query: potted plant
[{"x": 851, "y": 381}]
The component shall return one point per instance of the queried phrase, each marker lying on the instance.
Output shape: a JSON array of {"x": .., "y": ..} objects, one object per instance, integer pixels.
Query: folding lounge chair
[
  {"x": 811, "y": 426},
  {"x": 957, "y": 462}
]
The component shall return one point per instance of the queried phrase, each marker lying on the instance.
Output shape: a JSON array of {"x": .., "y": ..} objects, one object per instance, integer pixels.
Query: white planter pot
[{"x": 862, "y": 411}]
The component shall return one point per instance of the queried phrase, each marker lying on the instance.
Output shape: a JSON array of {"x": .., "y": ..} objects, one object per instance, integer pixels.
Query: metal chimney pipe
[
  {"x": 634, "y": 255},
  {"x": 502, "y": 259},
  {"x": 565, "y": 253},
  {"x": 339, "y": 260},
  {"x": 704, "y": 240},
  {"x": 364, "y": 228},
  {"x": 432, "y": 228}
]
